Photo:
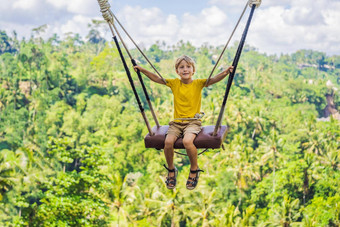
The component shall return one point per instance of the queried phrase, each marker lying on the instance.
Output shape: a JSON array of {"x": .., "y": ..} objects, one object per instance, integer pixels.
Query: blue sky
[{"x": 278, "y": 26}]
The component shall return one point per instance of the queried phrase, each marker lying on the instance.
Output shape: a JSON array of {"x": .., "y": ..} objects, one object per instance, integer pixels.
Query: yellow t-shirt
[{"x": 187, "y": 97}]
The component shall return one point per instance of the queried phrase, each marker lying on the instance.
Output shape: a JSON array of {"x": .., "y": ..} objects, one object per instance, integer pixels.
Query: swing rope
[
  {"x": 133, "y": 61},
  {"x": 109, "y": 17},
  {"x": 131, "y": 82},
  {"x": 235, "y": 63}
]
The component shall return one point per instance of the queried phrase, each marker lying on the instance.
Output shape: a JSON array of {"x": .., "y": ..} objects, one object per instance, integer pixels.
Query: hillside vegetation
[{"x": 72, "y": 150}]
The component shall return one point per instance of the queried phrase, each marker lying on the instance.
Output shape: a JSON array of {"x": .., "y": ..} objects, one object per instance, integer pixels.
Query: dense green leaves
[{"x": 71, "y": 138}]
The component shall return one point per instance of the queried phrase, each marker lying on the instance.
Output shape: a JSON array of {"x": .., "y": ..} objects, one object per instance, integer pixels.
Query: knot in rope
[
  {"x": 254, "y": 2},
  {"x": 105, "y": 10}
]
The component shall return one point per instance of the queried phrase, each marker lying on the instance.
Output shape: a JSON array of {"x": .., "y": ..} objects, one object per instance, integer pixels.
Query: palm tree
[
  {"x": 331, "y": 156},
  {"x": 287, "y": 212},
  {"x": 271, "y": 147},
  {"x": 313, "y": 145},
  {"x": 166, "y": 203},
  {"x": 248, "y": 216},
  {"x": 6, "y": 179},
  {"x": 245, "y": 173},
  {"x": 230, "y": 216},
  {"x": 118, "y": 198},
  {"x": 206, "y": 202}
]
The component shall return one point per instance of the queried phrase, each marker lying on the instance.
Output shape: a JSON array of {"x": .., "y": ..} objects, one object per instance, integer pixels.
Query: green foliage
[
  {"x": 71, "y": 138},
  {"x": 323, "y": 211},
  {"x": 73, "y": 197}
]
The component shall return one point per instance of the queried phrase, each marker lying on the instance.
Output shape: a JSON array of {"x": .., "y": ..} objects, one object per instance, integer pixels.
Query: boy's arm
[
  {"x": 220, "y": 76},
  {"x": 149, "y": 74}
]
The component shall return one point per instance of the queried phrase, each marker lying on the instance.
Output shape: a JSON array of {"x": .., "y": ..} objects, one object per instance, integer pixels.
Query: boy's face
[{"x": 185, "y": 70}]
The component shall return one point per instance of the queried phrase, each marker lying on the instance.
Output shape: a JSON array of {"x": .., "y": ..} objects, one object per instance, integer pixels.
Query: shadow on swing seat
[{"x": 204, "y": 139}]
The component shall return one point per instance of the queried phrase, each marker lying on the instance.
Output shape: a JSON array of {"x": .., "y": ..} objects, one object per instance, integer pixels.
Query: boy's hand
[
  {"x": 229, "y": 69},
  {"x": 137, "y": 67}
]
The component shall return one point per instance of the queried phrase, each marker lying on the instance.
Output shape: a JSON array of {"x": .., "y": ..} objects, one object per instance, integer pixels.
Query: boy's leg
[
  {"x": 188, "y": 142},
  {"x": 170, "y": 139},
  {"x": 190, "y": 133},
  {"x": 169, "y": 151}
]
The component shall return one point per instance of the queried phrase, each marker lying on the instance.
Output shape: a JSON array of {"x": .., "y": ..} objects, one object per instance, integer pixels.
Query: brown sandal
[
  {"x": 193, "y": 181},
  {"x": 171, "y": 181}
]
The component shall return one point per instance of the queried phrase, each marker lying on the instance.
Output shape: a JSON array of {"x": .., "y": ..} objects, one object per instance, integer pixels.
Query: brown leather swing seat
[{"x": 204, "y": 139}]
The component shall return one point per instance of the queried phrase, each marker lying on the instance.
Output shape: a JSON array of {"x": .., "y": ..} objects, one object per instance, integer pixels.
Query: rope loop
[
  {"x": 254, "y": 2},
  {"x": 105, "y": 10}
]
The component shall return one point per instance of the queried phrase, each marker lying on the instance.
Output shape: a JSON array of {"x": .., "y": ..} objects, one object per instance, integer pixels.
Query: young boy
[{"x": 187, "y": 103}]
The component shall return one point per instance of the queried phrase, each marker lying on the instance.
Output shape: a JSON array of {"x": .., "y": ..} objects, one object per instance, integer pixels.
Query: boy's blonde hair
[{"x": 186, "y": 58}]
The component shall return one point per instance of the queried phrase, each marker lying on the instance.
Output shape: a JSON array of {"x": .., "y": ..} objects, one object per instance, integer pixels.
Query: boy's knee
[
  {"x": 170, "y": 140},
  {"x": 168, "y": 143},
  {"x": 187, "y": 143}
]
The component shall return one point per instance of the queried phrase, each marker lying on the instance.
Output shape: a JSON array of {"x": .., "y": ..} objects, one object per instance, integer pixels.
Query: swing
[
  {"x": 204, "y": 139},
  {"x": 210, "y": 137}
]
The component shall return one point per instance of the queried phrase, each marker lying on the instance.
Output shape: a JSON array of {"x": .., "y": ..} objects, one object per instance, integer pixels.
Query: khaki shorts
[{"x": 179, "y": 129}]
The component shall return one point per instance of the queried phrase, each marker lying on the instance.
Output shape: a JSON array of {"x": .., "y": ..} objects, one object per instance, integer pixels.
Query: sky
[{"x": 278, "y": 26}]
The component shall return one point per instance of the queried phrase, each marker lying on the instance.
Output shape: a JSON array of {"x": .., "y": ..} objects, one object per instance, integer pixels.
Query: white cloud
[
  {"x": 207, "y": 26},
  {"x": 153, "y": 25},
  {"x": 78, "y": 24},
  {"x": 21, "y": 30},
  {"x": 211, "y": 25},
  {"x": 214, "y": 16},
  {"x": 25, "y": 4},
  {"x": 282, "y": 29},
  {"x": 303, "y": 16},
  {"x": 271, "y": 3},
  {"x": 230, "y": 3},
  {"x": 89, "y": 7}
]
